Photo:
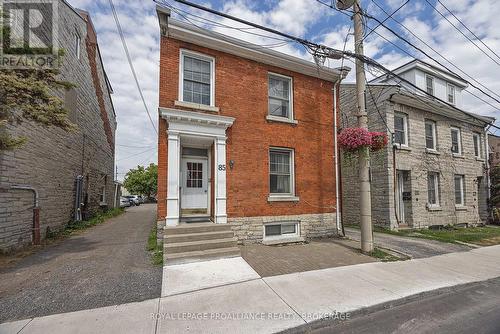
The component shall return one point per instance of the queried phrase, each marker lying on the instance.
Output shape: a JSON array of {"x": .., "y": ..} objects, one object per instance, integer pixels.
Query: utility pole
[{"x": 365, "y": 202}]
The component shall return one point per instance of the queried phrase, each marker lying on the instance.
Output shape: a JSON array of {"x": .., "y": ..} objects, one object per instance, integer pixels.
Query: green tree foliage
[
  {"x": 142, "y": 181},
  {"x": 28, "y": 94}
]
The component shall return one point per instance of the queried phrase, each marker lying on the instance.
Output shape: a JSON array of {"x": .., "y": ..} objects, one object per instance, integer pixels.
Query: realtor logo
[{"x": 29, "y": 33}]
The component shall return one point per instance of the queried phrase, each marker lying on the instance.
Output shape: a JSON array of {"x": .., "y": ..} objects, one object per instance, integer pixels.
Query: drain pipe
[
  {"x": 36, "y": 211},
  {"x": 340, "y": 227}
]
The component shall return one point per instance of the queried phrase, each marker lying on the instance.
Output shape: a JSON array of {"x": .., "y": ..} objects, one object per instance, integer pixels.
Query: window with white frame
[
  {"x": 280, "y": 96},
  {"x": 451, "y": 94},
  {"x": 433, "y": 189},
  {"x": 476, "y": 138},
  {"x": 401, "y": 129},
  {"x": 430, "y": 135},
  {"x": 197, "y": 78},
  {"x": 459, "y": 190},
  {"x": 281, "y": 230},
  {"x": 456, "y": 141},
  {"x": 429, "y": 82},
  {"x": 281, "y": 172},
  {"x": 77, "y": 45}
]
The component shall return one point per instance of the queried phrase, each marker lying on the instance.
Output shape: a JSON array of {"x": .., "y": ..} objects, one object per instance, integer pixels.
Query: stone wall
[
  {"x": 52, "y": 158},
  {"x": 417, "y": 161},
  {"x": 251, "y": 229}
]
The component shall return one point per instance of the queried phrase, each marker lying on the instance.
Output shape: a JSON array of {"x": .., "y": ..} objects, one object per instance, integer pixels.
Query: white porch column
[
  {"x": 173, "y": 175},
  {"x": 220, "y": 180}
]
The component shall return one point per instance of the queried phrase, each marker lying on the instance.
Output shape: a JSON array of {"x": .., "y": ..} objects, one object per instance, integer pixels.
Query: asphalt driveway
[
  {"x": 105, "y": 265},
  {"x": 414, "y": 247}
]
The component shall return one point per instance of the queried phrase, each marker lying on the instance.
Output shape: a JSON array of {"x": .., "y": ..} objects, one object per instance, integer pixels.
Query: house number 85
[{"x": 222, "y": 167}]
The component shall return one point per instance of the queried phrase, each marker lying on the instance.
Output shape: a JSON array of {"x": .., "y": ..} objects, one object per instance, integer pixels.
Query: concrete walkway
[
  {"x": 415, "y": 248},
  {"x": 267, "y": 305}
]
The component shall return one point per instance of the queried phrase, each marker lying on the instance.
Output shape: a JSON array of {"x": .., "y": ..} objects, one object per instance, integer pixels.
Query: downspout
[
  {"x": 488, "y": 180},
  {"x": 340, "y": 227},
  {"x": 36, "y": 211}
]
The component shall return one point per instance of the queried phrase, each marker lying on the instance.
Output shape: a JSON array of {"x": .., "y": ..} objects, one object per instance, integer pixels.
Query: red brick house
[{"x": 246, "y": 137}]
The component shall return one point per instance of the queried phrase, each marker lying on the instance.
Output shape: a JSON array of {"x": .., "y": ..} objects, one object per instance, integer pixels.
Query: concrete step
[
  {"x": 186, "y": 237},
  {"x": 194, "y": 256},
  {"x": 191, "y": 228},
  {"x": 201, "y": 245}
]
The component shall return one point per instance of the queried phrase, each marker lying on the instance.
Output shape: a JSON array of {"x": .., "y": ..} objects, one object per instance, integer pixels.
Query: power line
[
  {"x": 434, "y": 50},
  {"x": 328, "y": 52},
  {"x": 389, "y": 16},
  {"x": 135, "y": 146},
  {"x": 460, "y": 31},
  {"x": 124, "y": 43},
  {"x": 136, "y": 154}
]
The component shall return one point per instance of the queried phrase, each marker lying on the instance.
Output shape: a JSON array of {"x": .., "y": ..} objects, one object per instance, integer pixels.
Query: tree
[
  {"x": 142, "y": 181},
  {"x": 28, "y": 94}
]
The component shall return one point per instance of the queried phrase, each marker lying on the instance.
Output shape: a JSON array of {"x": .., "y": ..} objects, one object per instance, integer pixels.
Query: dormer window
[
  {"x": 429, "y": 84},
  {"x": 451, "y": 94}
]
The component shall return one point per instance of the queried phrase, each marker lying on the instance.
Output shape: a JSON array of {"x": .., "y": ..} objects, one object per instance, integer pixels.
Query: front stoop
[{"x": 192, "y": 242}]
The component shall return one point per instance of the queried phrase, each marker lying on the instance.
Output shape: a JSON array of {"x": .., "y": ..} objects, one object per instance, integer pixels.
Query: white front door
[{"x": 194, "y": 190}]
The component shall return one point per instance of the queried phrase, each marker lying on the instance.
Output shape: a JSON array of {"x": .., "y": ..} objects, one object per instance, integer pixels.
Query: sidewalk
[{"x": 275, "y": 303}]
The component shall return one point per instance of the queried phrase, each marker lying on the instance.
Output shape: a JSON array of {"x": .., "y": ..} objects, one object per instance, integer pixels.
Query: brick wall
[
  {"x": 241, "y": 92},
  {"x": 52, "y": 158},
  {"x": 418, "y": 162}
]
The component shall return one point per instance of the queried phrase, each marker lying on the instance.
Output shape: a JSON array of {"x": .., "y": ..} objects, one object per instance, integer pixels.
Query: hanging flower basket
[
  {"x": 352, "y": 139},
  {"x": 379, "y": 141}
]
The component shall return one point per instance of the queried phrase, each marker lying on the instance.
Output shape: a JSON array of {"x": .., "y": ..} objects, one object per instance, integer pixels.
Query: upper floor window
[
  {"x": 281, "y": 171},
  {"x": 430, "y": 135},
  {"x": 456, "y": 141},
  {"x": 197, "y": 78},
  {"x": 429, "y": 81},
  {"x": 451, "y": 94},
  {"x": 78, "y": 41},
  {"x": 280, "y": 96},
  {"x": 401, "y": 129},
  {"x": 476, "y": 138}
]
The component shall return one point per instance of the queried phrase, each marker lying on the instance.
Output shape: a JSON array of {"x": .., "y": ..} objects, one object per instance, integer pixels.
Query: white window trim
[
  {"x": 462, "y": 181},
  {"x": 201, "y": 56},
  {"x": 278, "y": 197},
  {"x": 434, "y": 135},
  {"x": 432, "y": 80},
  {"x": 290, "y": 118},
  {"x": 452, "y": 88},
  {"x": 435, "y": 177},
  {"x": 281, "y": 236},
  {"x": 405, "y": 127},
  {"x": 78, "y": 42},
  {"x": 479, "y": 150},
  {"x": 459, "y": 140}
]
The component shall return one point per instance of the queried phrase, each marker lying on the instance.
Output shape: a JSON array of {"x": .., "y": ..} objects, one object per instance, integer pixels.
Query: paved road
[
  {"x": 473, "y": 308},
  {"x": 414, "y": 247},
  {"x": 105, "y": 265}
]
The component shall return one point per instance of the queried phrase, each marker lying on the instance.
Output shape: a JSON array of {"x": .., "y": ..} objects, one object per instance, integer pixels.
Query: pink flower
[
  {"x": 379, "y": 140},
  {"x": 351, "y": 139}
]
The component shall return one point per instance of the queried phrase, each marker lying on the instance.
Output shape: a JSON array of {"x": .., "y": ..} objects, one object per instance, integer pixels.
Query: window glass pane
[
  {"x": 455, "y": 148},
  {"x": 196, "y": 85},
  {"x": 430, "y": 85},
  {"x": 194, "y": 177},
  {"x": 278, "y": 107},
  {"x": 288, "y": 229},
  {"x": 432, "y": 186},
  {"x": 477, "y": 149},
  {"x": 279, "y": 96},
  {"x": 429, "y": 135},
  {"x": 273, "y": 230},
  {"x": 458, "y": 190},
  {"x": 399, "y": 129}
]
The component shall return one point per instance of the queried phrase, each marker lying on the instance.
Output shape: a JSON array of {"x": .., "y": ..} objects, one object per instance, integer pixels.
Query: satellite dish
[{"x": 344, "y": 4}]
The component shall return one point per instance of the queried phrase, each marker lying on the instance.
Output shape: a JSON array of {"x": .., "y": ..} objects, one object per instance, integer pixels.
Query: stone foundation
[{"x": 251, "y": 230}]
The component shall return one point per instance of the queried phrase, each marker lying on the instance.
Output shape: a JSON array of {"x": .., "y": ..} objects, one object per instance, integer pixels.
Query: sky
[{"x": 136, "y": 139}]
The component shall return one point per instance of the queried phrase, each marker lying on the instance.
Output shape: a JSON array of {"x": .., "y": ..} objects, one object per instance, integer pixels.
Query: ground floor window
[
  {"x": 281, "y": 171},
  {"x": 281, "y": 230},
  {"x": 433, "y": 188},
  {"x": 459, "y": 190}
]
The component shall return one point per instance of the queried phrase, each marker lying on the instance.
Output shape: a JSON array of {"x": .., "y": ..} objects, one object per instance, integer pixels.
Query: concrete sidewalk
[{"x": 267, "y": 305}]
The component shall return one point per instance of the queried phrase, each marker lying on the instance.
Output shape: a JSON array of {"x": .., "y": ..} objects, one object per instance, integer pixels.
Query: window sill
[
  {"x": 431, "y": 151},
  {"x": 480, "y": 159},
  {"x": 277, "y": 198},
  {"x": 403, "y": 147},
  {"x": 103, "y": 204},
  {"x": 272, "y": 118},
  {"x": 457, "y": 155},
  {"x": 196, "y": 106},
  {"x": 460, "y": 208},
  {"x": 434, "y": 208}
]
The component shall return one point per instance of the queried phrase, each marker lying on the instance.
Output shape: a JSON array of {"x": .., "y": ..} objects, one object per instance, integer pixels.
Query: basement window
[{"x": 281, "y": 230}]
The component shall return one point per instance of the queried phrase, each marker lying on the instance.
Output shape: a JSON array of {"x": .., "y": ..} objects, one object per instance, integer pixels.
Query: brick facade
[
  {"x": 417, "y": 162},
  {"x": 52, "y": 158},
  {"x": 241, "y": 91}
]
